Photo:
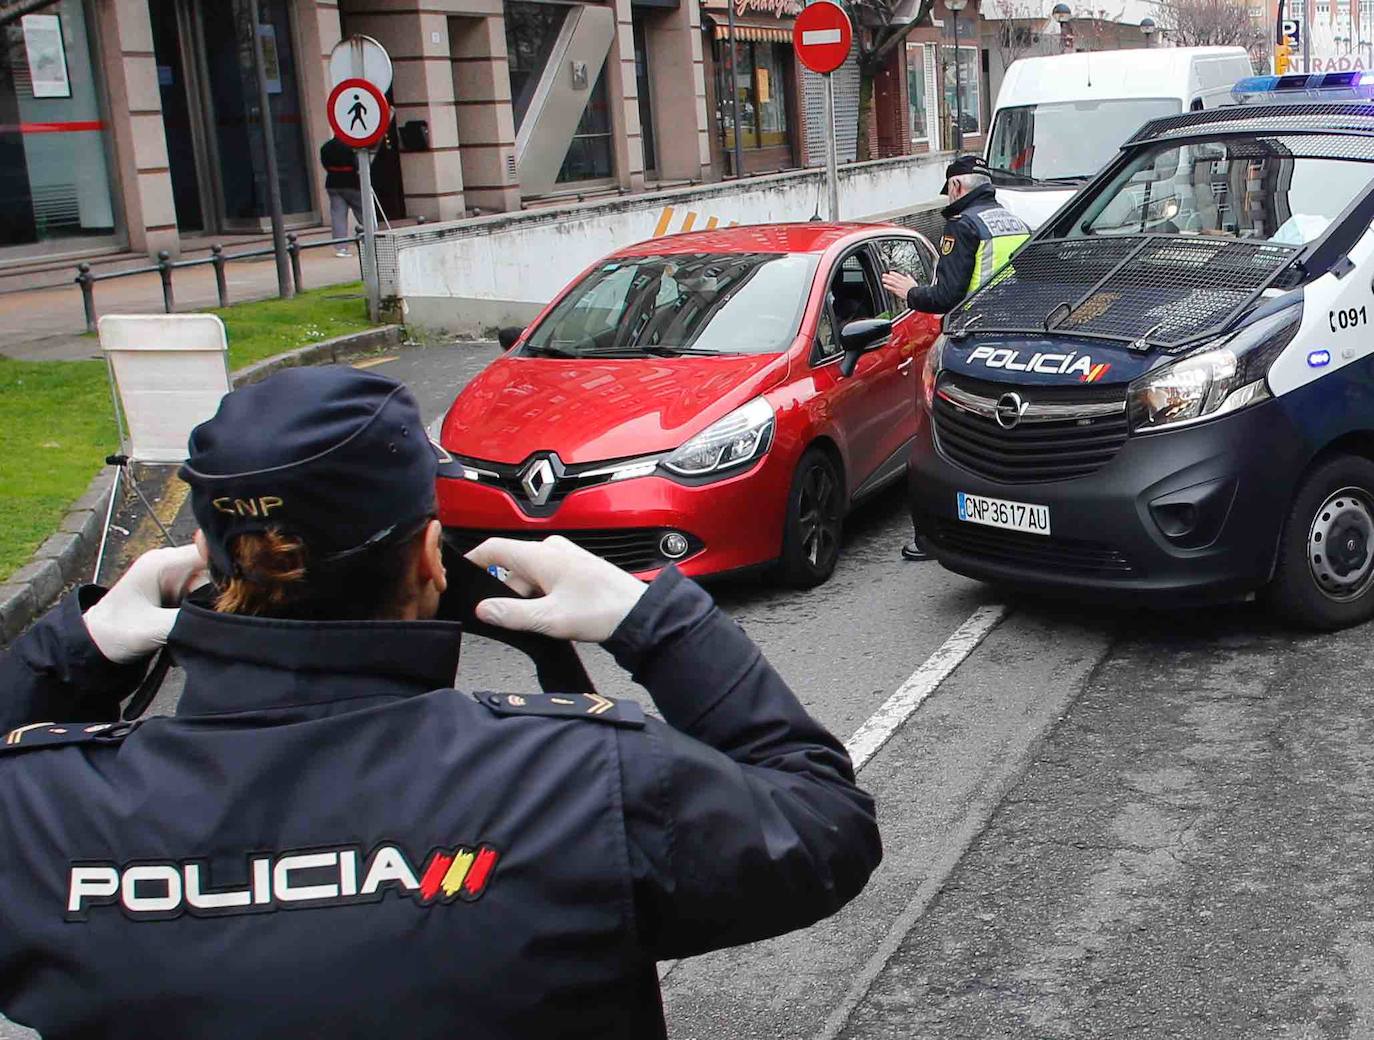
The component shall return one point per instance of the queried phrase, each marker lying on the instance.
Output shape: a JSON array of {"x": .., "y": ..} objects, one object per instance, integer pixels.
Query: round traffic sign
[
  {"x": 360, "y": 57},
  {"x": 822, "y": 36},
  {"x": 358, "y": 113}
]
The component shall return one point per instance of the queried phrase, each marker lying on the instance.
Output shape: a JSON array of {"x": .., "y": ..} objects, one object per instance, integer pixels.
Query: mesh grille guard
[{"x": 1145, "y": 290}]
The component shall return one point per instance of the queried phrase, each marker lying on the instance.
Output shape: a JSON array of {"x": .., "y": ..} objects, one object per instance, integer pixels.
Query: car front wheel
[
  {"x": 815, "y": 522},
  {"x": 1325, "y": 573}
]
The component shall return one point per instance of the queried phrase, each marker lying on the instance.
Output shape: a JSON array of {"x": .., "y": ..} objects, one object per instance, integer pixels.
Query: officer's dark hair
[{"x": 274, "y": 576}]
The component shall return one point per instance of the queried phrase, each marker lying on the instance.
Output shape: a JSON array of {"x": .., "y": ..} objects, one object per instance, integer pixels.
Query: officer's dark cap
[
  {"x": 335, "y": 456},
  {"x": 964, "y": 164}
]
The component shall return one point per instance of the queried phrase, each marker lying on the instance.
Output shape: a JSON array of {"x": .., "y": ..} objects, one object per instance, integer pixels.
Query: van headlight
[
  {"x": 729, "y": 442},
  {"x": 1223, "y": 376},
  {"x": 930, "y": 371}
]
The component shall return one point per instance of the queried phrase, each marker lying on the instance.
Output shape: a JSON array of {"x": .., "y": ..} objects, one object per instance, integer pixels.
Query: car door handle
[{"x": 905, "y": 366}]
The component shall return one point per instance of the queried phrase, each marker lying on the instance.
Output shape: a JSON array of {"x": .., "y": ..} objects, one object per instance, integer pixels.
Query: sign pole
[
  {"x": 734, "y": 88},
  {"x": 1307, "y": 37},
  {"x": 369, "y": 256},
  {"x": 269, "y": 143},
  {"x": 832, "y": 173},
  {"x": 821, "y": 39}
]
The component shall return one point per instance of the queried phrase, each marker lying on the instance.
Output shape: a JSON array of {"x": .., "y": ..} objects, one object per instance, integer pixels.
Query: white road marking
[
  {"x": 878, "y": 730},
  {"x": 869, "y": 738},
  {"x": 819, "y": 36}
]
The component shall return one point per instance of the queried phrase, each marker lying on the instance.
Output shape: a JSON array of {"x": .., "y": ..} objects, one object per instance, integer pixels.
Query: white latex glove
[
  {"x": 133, "y": 618},
  {"x": 581, "y": 597}
]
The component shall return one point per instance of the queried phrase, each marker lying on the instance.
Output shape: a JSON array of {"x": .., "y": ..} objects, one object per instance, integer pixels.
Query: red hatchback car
[{"x": 717, "y": 400}]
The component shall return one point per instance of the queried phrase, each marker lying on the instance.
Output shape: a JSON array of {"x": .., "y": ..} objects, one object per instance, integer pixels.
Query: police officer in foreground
[
  {"x": 979, "y": 238},
  {"x": 329, "y": 840}
]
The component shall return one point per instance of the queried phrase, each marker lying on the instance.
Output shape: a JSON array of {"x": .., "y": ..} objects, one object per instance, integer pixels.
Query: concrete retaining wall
[{"x": 471, "y": 277}]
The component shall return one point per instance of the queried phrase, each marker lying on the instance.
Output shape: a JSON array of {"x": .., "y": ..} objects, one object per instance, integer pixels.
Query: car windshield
[
  {"x": 1067, "y": 140},
  {"x": 1281, "y": 190},
  {"x": 697, "y": 303}
]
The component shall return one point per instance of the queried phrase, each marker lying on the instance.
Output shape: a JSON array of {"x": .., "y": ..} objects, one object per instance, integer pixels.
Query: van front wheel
[{"x": 1325, "y": 573}]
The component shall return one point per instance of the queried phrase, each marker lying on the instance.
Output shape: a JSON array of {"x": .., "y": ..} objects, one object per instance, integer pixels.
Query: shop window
[
  {"x": 532, "y": 30},
  {"x": 590, "y": 154},
  {"x": 760, "y": 72},
  {"x": 916, "y": 91},
  {"x": 967, "y": 96},
  {"x": 54, "y": 178}
]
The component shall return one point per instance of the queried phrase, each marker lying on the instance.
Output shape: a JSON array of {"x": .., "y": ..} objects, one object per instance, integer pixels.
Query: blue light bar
[{"x": 1327, "y": 86}]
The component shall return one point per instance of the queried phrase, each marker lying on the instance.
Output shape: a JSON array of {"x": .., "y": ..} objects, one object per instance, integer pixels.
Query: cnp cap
[
  {"x": 964, "y": 164},
  {"x": 333, "y": 455}
]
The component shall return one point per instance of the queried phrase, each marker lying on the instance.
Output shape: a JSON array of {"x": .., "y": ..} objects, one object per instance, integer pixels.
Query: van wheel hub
[{"x": 1339, "y": 544}]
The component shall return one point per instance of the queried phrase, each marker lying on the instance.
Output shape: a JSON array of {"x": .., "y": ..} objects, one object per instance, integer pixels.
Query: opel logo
[
  {"x": 540, "y": 477},
  {"x": 1010, "y": 410}
]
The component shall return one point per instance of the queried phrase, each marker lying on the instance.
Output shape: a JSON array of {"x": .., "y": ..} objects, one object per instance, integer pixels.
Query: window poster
[
  {"x": 271, "y": 64},
  {"x": 47, "y": 57}
]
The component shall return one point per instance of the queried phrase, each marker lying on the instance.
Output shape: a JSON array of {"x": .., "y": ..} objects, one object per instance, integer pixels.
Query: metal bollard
[
  {"x": 218, "y": 260},
  {"x": 86, "y": 280},
  {"x": 164, "y": 270},
  {"x": 294, "y": 249}
]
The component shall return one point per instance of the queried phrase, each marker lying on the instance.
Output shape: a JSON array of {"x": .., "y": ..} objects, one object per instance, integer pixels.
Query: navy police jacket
[
  {"x": 329, "y": 840},
  {"x": 979, "y": 238}
]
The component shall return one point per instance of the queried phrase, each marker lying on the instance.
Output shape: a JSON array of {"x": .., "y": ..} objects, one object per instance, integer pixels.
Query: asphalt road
[{"x": 1098, "y": 825}]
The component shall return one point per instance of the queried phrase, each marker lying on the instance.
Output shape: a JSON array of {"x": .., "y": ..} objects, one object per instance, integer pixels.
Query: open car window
[
  {"x": 729, "y": 303},
  {"x": 905, "y": 256}
]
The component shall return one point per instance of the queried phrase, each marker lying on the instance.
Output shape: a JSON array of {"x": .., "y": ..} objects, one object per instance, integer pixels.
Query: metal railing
[{"x": 218, "y": 259}]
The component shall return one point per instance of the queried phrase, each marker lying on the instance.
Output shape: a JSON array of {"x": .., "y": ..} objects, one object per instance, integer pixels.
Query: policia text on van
[{"x": 1171, "y": 388}]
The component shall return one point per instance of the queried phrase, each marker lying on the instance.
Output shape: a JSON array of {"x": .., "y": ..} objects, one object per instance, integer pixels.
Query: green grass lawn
[{"x": 57, "y": 421}]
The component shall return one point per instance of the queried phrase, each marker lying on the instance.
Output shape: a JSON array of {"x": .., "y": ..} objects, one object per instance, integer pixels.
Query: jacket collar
[
  {"x": 982, "y": 193},
  {"x": 246, "y": 664}
]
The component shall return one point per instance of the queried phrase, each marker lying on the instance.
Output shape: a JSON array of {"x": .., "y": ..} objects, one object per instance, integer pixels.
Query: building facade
[{"x": 135, "y": 123}]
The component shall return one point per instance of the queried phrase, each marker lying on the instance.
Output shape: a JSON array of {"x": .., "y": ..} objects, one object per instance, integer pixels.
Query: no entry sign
[
  {"x": 358, "y": 113},
  {"x": 822, "y": 36}
]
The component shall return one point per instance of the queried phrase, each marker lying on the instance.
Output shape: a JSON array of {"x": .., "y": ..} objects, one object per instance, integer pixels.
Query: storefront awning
[{"x": 750, "y": 29}]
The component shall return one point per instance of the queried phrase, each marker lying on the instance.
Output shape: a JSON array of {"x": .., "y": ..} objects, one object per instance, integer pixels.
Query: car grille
[
  {"x": 630, "y": 548},
  {"x": 1067, "y": 432},
  {"x": 1030, "y": 551},
  {"x": 568, "y": 478}
]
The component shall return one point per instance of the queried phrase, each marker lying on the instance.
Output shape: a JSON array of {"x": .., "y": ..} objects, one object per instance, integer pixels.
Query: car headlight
[
  {"x": 1223, "y": 376},
  {"x": 930, "y": 371},
  {"x": 731, "y": 441}
]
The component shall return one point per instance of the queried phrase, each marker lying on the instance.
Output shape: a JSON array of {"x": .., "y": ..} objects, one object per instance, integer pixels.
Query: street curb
[{"x": 65, "y": 558}]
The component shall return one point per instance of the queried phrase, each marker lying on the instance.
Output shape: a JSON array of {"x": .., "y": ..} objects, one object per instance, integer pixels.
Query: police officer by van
[
  {"x": 327, "y": 838},
  {"x": 979, "y": 238}
]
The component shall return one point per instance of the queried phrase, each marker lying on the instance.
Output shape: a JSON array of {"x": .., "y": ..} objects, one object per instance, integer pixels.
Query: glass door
[{"x": 231, "y": 159}]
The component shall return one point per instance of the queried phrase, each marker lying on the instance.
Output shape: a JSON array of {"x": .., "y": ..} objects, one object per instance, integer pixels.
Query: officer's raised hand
[
  {"x": 133, "y": 618},
  {"x": 577, "y": 595},
  {"x": 898, "y": 284}
]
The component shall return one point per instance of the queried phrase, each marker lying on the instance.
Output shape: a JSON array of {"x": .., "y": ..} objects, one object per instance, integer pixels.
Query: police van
[{"x": 1169, "y": 391}]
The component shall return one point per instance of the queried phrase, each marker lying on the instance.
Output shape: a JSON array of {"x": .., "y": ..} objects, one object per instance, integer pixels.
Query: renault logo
[
  {"x": 1010, "y": 409},
  {"x": 540, "y": 477}
]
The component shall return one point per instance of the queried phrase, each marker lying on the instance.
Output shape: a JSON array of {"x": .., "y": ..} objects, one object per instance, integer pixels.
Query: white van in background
[{"x": 1060, "y": 119}]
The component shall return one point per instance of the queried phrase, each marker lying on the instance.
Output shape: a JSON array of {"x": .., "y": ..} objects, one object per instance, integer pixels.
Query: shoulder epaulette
[
  {"x": 590, "y": 706},
  {"x": 59, "y": 734}
]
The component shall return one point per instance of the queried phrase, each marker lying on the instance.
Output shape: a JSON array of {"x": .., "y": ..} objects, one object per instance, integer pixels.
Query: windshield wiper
[
  {"x": 667, "y": 351},
  {"x": 549, "y": 350},
  {"x": 1024, "y": 178},
  {"x": 641, "y": 349}
]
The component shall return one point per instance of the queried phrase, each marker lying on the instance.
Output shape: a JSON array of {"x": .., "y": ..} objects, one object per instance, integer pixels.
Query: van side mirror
[
  {"x": 859, "y": 337},
  {"x": 508, "y": 336}
]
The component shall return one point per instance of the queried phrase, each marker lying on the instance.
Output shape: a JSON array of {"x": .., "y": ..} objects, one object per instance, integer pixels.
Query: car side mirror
[
  {"x": 508, "y": 336},
  {"x": 859, "y": 337}
]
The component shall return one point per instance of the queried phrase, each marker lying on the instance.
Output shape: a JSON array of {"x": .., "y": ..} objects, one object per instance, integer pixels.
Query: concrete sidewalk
[{"x": 48, "y": 324}]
